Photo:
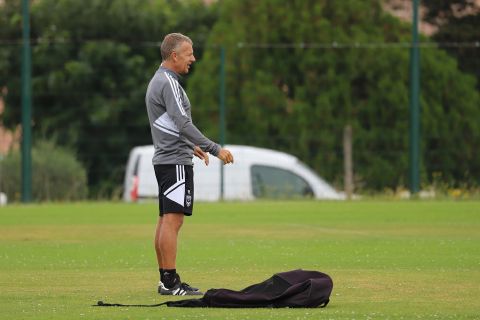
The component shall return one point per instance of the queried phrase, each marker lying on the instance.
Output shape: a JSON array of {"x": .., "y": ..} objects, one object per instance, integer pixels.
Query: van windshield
[{"x": 323, "y": 182}]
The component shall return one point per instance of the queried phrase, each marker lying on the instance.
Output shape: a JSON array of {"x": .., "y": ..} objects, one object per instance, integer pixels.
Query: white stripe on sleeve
[{"x": 175, "y": 93}]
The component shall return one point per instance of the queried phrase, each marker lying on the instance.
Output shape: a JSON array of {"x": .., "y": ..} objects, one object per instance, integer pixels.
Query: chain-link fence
[{"x": 293, "y": 98}]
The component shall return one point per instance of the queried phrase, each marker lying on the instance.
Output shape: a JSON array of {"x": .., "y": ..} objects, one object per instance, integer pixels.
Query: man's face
[{"x": 185, "y": 59}]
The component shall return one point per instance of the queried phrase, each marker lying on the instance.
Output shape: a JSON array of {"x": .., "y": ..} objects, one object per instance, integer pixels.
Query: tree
[
  {"x": 459, "y": 22},
  {"x": 92, "y": 61},
  {"x": 441, "y": 12},
  {"x": 298, "y": 98}
]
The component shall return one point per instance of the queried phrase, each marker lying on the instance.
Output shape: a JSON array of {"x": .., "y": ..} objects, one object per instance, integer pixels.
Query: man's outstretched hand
[
  {"x": 225, "y": 156},
  {"x": 202, "y": 155}
]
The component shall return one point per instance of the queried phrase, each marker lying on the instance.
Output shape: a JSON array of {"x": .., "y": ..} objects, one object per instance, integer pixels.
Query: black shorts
[{"x": 175, "y": 188}]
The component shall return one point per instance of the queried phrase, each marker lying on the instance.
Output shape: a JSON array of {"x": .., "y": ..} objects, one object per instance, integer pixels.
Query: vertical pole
[
  {"x": 415, "y": 106},
  {"x": 222, "y": 113},
  {"x": 26, "y": 107},
  {"x": 348, "y": 161}
]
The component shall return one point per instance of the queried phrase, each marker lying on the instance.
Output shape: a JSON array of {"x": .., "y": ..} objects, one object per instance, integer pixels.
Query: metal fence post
[
  {"x": 26, "y": 108},
  {"x": 415, "y": 106}
]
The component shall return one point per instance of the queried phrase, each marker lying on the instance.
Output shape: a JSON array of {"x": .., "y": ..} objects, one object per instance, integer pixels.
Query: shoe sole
[{"x": 166, "y": 292}]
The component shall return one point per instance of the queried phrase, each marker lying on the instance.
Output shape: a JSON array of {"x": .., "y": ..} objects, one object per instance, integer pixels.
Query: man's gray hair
[{"x": 172, "y": 43}]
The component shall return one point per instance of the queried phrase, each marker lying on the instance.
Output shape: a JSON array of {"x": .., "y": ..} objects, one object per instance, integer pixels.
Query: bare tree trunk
[{"x": 348, "y": 162}]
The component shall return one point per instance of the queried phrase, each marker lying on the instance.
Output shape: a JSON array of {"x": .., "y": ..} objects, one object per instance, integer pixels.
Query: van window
[
  {"x": 135, "y": 169},
  {"x": 271, "y": 182}
]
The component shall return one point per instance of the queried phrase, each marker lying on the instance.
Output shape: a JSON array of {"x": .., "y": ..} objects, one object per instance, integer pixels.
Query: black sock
[
  {"x": 169, "y": 277},
  {"x": 161, "y": 274}
]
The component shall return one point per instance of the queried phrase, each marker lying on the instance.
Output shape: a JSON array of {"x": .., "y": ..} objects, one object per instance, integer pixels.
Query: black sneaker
[
  {"x": 160, "y": 286},
  {"x": 180, "y": 289},
  {"x": 193, "y": 288}
]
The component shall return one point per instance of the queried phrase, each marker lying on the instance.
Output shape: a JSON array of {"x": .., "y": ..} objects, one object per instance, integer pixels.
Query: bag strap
[
  {"x": 101, "y": 304},
  {"x": 324, "y": 304},
  {"x": 183, "y": 303}
]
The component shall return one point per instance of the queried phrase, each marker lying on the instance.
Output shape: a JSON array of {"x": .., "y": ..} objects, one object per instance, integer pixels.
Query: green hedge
[{"x": 56, "y": 174}]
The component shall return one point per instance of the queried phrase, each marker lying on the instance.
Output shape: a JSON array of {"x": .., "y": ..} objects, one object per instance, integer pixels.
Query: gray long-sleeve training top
[{"x": 173, "y": 133}]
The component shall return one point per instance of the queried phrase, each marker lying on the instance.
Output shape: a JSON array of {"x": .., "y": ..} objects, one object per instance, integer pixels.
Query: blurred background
[{"x": 295, "y": 74}]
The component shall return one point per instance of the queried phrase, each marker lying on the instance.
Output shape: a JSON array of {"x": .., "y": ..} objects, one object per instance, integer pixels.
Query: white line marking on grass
[{"x": 331, "y": 230}]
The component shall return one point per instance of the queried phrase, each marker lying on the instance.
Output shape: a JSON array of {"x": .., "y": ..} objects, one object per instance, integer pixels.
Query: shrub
[{"x": 56, "y": 174}]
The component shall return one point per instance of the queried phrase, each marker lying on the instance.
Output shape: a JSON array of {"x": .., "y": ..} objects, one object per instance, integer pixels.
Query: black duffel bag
[{"x": 293, "y": 289}]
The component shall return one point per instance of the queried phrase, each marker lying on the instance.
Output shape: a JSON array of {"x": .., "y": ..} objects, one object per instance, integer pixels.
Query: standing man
[{"x": 176, "y": 140}]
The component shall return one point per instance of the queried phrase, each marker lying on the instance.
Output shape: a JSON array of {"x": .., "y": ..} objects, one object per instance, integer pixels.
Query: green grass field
[{"x": 388, "y": 260}]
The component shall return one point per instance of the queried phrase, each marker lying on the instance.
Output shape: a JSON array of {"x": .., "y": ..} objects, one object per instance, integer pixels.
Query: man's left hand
[{"x": 202, "y": 155}]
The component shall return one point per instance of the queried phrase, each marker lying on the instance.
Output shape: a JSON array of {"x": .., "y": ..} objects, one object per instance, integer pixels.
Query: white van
[{"x": 256, "y": 173}]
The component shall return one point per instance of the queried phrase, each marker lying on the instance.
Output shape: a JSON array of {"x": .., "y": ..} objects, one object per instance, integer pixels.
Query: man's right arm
[
  {"x": 183, "y": 122},
  {"x": 187, "y": 128}
]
